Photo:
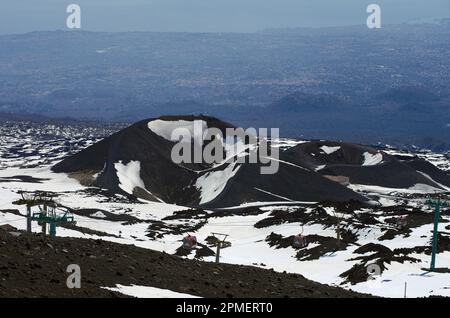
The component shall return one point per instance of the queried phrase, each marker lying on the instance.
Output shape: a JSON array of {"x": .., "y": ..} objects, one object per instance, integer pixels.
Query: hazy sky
[{"x": 18, "y": 16}]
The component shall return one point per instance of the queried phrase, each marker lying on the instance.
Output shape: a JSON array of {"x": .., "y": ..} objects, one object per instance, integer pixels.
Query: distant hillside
[
  {"x": 409, "y": 94},
  {"x": 292, "y": 79},
  {"x": 25, "y": 117},
  {"x": 300, "y": 102}
]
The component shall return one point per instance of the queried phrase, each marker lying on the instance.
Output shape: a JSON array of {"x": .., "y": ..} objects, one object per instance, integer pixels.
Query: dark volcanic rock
[
  {"x": 348, "y": 162},
  {"x": 312, "y": 171},
  {"x": 176, "y": 183},
  {"x": 41, "y": 272},
  {"x": 289, "y": 182},
  {"x": 166, "y": 179}
]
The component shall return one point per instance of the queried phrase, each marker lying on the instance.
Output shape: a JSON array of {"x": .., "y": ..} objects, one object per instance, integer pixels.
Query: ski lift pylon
[{"x": 53, "y": 218}]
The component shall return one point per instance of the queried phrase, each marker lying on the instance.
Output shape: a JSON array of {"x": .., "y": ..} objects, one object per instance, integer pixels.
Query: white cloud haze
[{"x": 18, "y": 16}]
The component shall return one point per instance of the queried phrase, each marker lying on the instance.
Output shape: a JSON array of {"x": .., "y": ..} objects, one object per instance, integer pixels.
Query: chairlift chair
[
  {"x": 189, "y": 242},
  {"x": 402, "y": 221},
  {"x": 300, "y": 241}
]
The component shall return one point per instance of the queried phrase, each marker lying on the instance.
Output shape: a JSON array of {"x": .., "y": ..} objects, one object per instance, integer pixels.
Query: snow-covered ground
[
  {"x": 372, "y": 159},
  {"x": 329, "y": 150},
  {"x": 211, "y": 184},
  {"x": 249, "y": 243},
  {"x": 147, "y": 292}
]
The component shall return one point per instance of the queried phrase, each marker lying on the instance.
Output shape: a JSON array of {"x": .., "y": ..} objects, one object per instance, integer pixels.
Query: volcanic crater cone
[{"x": 137, "y": 161}]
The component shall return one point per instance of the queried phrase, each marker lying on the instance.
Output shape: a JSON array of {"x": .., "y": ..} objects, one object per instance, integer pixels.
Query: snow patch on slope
[
  {"x": 372, "y": 159},
  {"x": 329, "y": 150},
  {"x": 431, "y": 179},
  {"x": 98, "y": 214},
  {"x": 235, "y": 146},
  {"x": 285, "y": 143},
  {"x": 148, "y": 292},
  {"x": 129, "y": 176},
  {"x": 417, "y": 188},
  {"x": 320, "y": 167},
  {"x": 273, "y": 194},
  {"x": 211, "y": 184},
  {"x": 164, "y": 129}
]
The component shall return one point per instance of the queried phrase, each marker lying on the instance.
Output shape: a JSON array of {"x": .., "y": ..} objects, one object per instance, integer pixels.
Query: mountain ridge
[{"x": 137, "y": 161}]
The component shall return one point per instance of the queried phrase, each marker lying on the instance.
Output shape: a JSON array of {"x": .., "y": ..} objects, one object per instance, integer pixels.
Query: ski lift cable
[
  {"x": 237, "y": 224},
  {"x": 92, "y": 220},
  {"x": 251, "y": 224}
]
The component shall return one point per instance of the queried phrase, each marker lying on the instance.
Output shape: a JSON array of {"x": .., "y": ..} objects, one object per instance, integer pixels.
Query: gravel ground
[{"x": 32, "y": 265}]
